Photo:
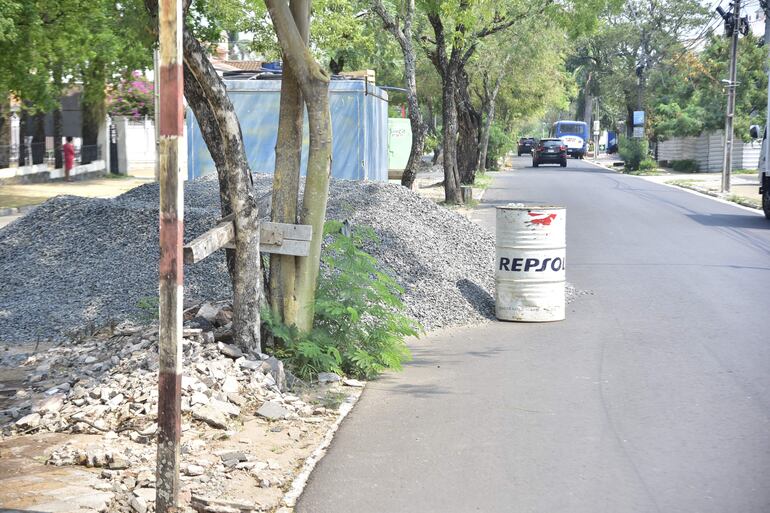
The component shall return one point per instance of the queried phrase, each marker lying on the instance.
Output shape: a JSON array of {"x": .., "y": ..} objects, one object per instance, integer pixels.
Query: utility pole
[
  {"x": 170, "y": 159},
  {"x": 731, "y": 85},
  {"x": 766, "y": 7}
]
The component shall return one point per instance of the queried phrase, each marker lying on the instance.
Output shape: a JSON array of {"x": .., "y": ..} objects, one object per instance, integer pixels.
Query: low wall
[
  {"x": 708, "y": 151},
  {"x": 40, "y": 173}
]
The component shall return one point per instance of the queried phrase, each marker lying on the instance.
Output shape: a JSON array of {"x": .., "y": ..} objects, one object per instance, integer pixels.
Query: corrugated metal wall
[
  {"x": 359, "y": 114},
  {"x": 708, "y": 151}
]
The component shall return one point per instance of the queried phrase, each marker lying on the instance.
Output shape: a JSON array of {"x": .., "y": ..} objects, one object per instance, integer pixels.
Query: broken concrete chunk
[
  {"x": 229, "y": 350},
  {"x": 328, "y": 377},
  {"x": 353, "y": 383},
  {"x": 208, "y": 311},
  {"x": 50, "y": 404},
  {"x": 194, "y": 470},
  {"x": 230, "y": 385},
  {"x": 29, "y": 421},
  {"x": 210, "y": 416},
  {"x": 272, "y": 410},
  {"x": 225, "y": 407}
]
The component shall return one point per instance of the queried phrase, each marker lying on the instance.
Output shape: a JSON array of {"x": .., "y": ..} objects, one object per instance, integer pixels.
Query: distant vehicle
[
  {"x": 549, "y": 151},
  {"x": 525, "y": 145},
  {"x": 764, "y": 173},
  {"x": 574, "y": 135}
]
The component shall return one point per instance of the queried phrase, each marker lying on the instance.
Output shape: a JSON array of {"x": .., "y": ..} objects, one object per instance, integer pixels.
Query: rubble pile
[{"x": 106, "y": 385}]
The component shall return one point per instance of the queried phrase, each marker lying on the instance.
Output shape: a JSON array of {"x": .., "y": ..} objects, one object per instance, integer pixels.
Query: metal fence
[{"x": 16, "y": 155}]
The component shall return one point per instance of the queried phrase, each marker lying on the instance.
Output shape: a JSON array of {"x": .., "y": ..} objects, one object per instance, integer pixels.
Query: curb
[
  {"x": 719, "y": 195},
  {"x": 289, "y": 499},
  {"x": 722, "y": 198}
]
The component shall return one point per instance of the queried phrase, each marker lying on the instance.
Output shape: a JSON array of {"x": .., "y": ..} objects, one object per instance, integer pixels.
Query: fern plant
[{"x": 359, "y": 327}]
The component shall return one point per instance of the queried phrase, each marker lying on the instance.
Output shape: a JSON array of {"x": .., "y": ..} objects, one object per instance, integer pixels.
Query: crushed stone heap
[{"x": 74, "y": 262}]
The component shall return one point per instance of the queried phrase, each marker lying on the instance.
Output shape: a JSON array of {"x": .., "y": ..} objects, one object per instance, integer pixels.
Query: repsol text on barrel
[{"x": 531, "y": 264}]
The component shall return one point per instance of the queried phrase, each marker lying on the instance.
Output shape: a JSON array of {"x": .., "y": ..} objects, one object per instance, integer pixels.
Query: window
[{"x": 571, "y": 128}]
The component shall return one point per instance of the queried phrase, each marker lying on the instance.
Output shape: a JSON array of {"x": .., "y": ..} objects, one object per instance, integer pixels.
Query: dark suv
[
  {"x": 525, "y": 145},
  {"x": 549, "y": 151}
]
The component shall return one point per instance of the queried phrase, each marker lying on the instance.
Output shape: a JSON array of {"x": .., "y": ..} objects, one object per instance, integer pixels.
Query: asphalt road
[{"x": 653, "y": 395}]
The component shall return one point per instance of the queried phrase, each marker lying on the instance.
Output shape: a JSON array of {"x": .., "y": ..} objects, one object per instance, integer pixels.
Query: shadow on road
[{"x": 732, "y": 220}]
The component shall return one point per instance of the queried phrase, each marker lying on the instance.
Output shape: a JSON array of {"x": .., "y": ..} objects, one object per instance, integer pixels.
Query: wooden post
[{"x": 171, "y": 121}]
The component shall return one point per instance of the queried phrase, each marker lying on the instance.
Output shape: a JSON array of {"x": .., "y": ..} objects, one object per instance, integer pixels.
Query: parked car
[
  {"x": 549, "y": 151},
  {"x": 525, "y": 145}
]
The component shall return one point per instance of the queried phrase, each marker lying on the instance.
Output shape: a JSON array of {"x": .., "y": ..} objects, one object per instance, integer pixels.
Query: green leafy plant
[
  {"x": 684, "y": 166},
  {"x": 359, "y": 326},
  {"x": 149, "y": 307},
  {"x": 632, "y": 151},
  {"x": 500, "y": 143}
]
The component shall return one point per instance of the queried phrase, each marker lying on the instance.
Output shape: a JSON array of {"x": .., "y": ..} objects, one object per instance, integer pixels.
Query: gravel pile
[{"x": 77, "y": 261}]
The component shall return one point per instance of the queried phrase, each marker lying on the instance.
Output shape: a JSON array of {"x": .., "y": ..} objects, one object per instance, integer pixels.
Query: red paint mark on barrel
[{"x": 539, "y": 218}]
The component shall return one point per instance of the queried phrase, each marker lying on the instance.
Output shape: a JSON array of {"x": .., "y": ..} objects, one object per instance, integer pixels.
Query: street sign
[
  {"x": 638, "y": 118},
  {"x": 639, "y": 132},
  {"x": 597, "y": 127}
]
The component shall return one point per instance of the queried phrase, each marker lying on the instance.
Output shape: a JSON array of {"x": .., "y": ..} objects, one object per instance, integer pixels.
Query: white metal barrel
[{"x": 530, "y": 263}]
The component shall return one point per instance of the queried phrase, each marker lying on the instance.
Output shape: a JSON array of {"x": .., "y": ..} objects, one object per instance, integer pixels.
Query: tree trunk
[
  {"x": 94, "y": 109},
  {"x": 38, "y": 139},
  {"x": 58, "y": 122},
  {"x": 490, "y": 117},
  {"x": 23, "y": 129},
  {"x": 5, "y": 132},
  {"x": 449, "y": 114},
  {"x": 314, "y": 83},
  {"x": 588, "y": 101},
  {"x": 469, "y": 122},
  {"x": 288, "y": 154},
  {"x": 449, "y": 68},
  {"x": 405, "y": 41},
  {"x": 208, "y": 98}
]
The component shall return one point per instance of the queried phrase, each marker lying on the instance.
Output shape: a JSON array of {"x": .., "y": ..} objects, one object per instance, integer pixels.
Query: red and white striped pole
[{"x": 171, "y": 119}]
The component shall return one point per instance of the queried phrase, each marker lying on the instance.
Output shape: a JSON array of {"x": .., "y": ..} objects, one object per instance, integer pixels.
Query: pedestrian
[{"x": 69, "y": 158}]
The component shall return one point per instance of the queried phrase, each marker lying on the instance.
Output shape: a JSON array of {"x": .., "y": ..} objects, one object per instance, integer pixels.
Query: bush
[
  {"x": 648, "y": 165},
  {"x": 500, "y": 143},
  {"x": 632, "y": 151},
  {"x": 133, "y": 98},
  {"x": 359, "y": 325},
  {"x": 684, "y": 166}
]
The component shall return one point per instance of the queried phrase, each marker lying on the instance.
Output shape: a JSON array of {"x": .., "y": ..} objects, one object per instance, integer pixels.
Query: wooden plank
[
  {"x": 287, "y": 247},
  {"x": 290, "y": 231},
  {"x": 280, "y": 238},
  {"x": 208, "y": 242}
]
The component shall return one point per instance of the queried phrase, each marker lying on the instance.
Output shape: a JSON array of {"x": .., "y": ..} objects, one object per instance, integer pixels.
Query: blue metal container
[{"x": 359, "y": 113}]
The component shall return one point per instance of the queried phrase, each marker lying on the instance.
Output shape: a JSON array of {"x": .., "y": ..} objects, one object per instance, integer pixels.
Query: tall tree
[
  {"x": 400, "y": 27},
  {"x": 314, "y": 84}
]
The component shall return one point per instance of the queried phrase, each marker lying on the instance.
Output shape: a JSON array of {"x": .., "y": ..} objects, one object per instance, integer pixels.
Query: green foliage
[
  {"x": 684, "y": 166},
  {"x": 648, "y": 165},
  {"x": 133, "y": 98},
  {"x": 149, "y": 306},
  {"x": 500, "y": 143},
  {"x": 359, "y": 328},
  {"x": 632, "y": 151}
]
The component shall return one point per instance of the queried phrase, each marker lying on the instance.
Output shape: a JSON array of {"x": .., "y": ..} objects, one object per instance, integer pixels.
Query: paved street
[{"x": 653, "y": 395}]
